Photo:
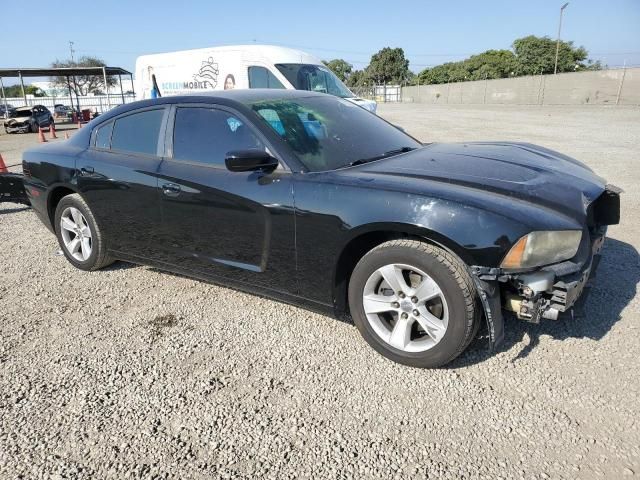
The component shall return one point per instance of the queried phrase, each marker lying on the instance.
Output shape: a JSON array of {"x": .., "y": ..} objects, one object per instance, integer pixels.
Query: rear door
[
  {"x": 237, "y": 225},
  {"x": 118, "y": 178}
]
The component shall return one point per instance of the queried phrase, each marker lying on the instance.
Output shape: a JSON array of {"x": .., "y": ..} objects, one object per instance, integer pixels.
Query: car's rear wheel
[
  {"x": 414, "y": 303},
  {"x": 79, "y": 235}
]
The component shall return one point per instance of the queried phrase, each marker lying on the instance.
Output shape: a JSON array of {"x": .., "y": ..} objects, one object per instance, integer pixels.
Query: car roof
[{"x": 233, "y": 98}]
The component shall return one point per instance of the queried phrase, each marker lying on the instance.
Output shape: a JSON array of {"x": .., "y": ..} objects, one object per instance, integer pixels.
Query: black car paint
[{"x": 293, "y": 234}]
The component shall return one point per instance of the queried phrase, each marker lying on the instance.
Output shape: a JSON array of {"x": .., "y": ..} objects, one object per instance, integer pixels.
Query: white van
[{"x": 238, "y": 66}]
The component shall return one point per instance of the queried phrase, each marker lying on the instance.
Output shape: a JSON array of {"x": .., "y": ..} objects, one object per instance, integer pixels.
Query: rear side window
[
  {"x": 205, "y": 135},
  {"x": 103, "y": 136},
  {"x": 260, "y": 77},
  {"x": 137, "y": 133}
]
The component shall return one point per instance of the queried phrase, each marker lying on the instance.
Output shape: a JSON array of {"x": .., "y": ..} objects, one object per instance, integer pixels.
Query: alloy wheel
[
  {"x": 76, "y": 234},
  {"x": 405, "y": 307}
]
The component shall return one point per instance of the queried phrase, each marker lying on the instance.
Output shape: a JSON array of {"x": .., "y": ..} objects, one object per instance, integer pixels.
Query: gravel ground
[{"x": 134, "y": 373}]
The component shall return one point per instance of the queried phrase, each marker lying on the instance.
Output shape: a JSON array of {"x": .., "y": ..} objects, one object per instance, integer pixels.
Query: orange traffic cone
[
  {"x": 3, "y": 167},
  {"x": 52, "y": 130},
  {"x": 66, "y": 135},
  {"x": 41, "y": 138}
]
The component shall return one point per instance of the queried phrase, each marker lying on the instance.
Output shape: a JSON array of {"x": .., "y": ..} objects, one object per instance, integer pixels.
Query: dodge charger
[{"x": 309, "y": 199}]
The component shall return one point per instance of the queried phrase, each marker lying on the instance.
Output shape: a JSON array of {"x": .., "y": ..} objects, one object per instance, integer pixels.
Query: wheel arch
[
  {"x": 369, "y": 237},
  {"x": 55, "y": 195}
]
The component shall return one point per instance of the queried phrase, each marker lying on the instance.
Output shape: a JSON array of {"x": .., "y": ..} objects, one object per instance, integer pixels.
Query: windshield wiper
[{"x": 390, "y": 153}]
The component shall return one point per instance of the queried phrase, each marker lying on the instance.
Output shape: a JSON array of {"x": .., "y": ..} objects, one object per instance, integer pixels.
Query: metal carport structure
[{"x": 70, "y": 72}]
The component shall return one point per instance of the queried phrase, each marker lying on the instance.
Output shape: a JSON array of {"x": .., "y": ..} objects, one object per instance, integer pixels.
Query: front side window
[
  {"x": 327, "y": 133},
  {"x": 206, "y": 135},
  {"x": 315, "y": 78},
  {"x": 261, "y": 77},
  {"x": 137, "y": 133}
]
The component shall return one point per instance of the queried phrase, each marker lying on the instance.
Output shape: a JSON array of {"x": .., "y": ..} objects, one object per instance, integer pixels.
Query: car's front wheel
[
  {"x": 79, "y": 235},
  {"x": 414, "y": 303}
]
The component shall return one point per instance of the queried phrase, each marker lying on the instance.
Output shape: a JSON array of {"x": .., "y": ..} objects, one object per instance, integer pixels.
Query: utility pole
[
  {"x": 71, "y": 50},
  {"x": 555, "y": 68}
]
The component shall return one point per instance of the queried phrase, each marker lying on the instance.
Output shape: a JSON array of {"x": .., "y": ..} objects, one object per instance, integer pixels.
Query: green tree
[
  {"x": 535, "y": 55},
  {"x": 16, "y": 91},
  {"x": 389, "y": 66},
  {"x": 491, "y": 64},
  {"x": 358, "y": 78},
  {"x": 340, "y": 67},
  {"x": 83, "y": 84},
  {"x": 530, "y": 56}
]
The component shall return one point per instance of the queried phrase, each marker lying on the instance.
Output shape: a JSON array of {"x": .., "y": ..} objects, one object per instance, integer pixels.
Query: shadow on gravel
[
  {"x": 120, "y": 265},
  {"x": 614, "y": 286},
  {"x": 13, "y": 210}
]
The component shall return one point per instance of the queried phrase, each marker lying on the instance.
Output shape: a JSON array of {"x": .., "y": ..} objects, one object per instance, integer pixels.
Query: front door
[{"x": 236, "y": 225}]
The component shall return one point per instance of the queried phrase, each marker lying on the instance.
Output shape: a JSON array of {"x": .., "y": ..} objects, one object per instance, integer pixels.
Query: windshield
[
  {"x": 314, "y": 78},
  {"x": 20, "y": 113},
  {"x": 328, "y": 133}
]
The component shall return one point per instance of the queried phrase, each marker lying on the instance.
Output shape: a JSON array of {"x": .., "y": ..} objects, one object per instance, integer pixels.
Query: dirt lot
[{"x": 134, "y": 371}]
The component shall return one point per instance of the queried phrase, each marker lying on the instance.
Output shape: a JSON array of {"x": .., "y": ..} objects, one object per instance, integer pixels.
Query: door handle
[
  {"x": 86, "y": 170},
  {"x": 171, "y": 189}
]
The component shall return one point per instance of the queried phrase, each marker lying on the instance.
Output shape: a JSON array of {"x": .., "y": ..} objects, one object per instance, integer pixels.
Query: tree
[
  {"x": 530, "y": 56},
  {"x": 340, "y": 67},
  {"x": 358, "y": 78},
  {"x": 389, "y": 66},
  {"x": 537, "y": 55},
  {"x": 16, "y": 91},
  {"x": 83, "y": 84}
]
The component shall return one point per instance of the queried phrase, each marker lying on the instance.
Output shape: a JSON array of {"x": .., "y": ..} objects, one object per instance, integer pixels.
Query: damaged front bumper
[
  {"x": 553, "y": 289},
  {"x": 548, "y": 291},
  {"x": 544, "y": 293},
  {"x": 15, "y": 127}
]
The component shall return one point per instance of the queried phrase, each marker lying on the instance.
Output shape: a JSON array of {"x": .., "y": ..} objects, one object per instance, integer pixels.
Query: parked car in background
[
  {"x": 60, "y": 110},
  {"x": 310, "y": 199},
  {"x": 4, "y": 108},
  {"x": 28, "y": 119}
]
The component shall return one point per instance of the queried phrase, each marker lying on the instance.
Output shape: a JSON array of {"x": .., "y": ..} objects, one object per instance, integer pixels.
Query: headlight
[{"x": 543, "y": 248}]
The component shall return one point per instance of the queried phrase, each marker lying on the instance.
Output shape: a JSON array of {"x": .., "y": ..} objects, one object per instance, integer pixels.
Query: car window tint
[
  {"x": 103, "y": 136},
  {"x": 206, "y": 135},
  {"x": 137, "y": 133},
  {"x": 261, "y": 77},
  {"x": 327, "y": 133}
]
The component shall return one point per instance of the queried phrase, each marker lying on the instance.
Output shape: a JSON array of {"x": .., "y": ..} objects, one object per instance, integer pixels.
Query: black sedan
[
  {"x": 310, "y": 199},
  {"x": 28, "y": 119}
]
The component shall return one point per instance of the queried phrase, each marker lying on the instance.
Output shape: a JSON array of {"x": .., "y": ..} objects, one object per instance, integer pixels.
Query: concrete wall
[{"x": 604, "y": 87}]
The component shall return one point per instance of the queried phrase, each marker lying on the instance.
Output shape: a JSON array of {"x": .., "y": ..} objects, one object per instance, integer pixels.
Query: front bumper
[
  {"x": 557, "y": 288},
  {"x": 16, "y": 127}
]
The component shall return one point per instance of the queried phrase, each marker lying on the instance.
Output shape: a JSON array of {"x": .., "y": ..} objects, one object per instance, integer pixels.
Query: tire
[
  {"x": 33, "y": 128},
  {"x": 437, "y": 303},
  {"x": 89, "y": 252}
]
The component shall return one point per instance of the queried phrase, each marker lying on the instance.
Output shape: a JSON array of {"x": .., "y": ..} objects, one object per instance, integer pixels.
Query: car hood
[
  {"x": 20, "y": 118},
  {"x": 520, "y": 171}
]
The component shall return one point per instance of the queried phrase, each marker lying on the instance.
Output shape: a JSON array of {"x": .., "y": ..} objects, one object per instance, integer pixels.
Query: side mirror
[{"x": 249, "y": 160}]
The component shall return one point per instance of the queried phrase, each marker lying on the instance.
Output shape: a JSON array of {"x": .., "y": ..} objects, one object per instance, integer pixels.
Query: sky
[{"x": 430, "y": 32}]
